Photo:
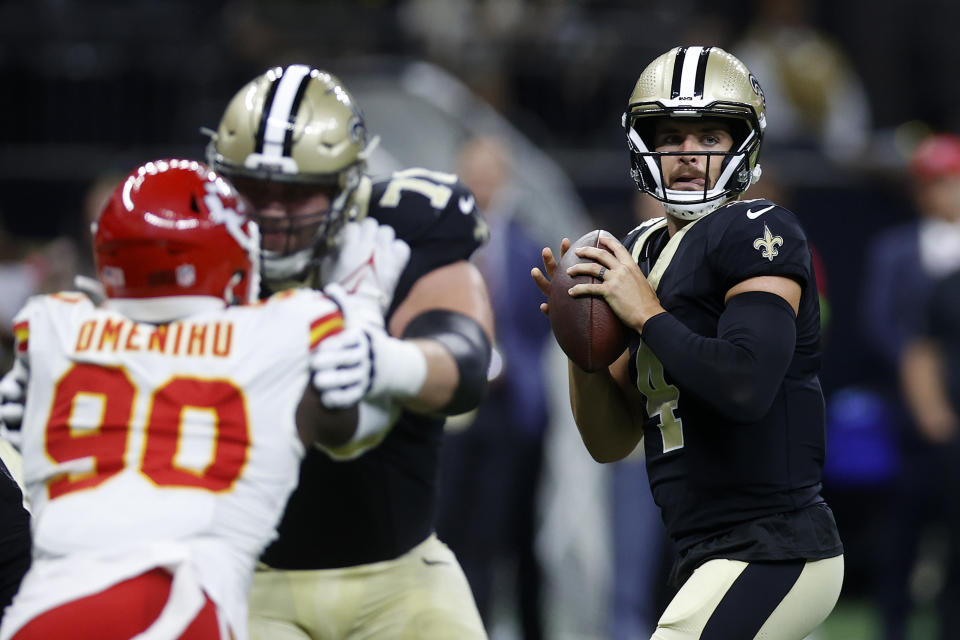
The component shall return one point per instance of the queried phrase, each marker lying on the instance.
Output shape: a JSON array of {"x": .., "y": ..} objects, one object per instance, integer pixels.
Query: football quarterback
[
  {"x": 161, "y": 431},
  {"x": 294, "y": 141},
  {"x": 721, "y": 370}
]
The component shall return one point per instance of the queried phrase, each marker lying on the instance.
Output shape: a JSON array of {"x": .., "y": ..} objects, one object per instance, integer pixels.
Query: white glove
[
  {"x": 341, "y": 368},
  {"x": 367, "y": 265},
  {"x": 13, "y": 394},
  {"x": 366, "y": 363}
]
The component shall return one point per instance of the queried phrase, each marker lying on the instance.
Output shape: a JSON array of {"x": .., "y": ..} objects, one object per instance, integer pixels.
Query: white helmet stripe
[
  {"x": 689, "y": 73},
  {"x": 278, "y": 117}
]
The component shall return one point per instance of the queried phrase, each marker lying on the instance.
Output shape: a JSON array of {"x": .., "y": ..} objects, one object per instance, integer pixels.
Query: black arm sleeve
[
  {"x": 739, "y": 372},
  {"x": 466, "y": 341}
]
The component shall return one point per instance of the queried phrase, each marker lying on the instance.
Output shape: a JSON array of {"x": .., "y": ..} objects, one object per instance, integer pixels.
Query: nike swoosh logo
[
  {"x": 753, "y": 215},
  {"x": 466, "y": 204},
  {"x": 433, "y": 562}
]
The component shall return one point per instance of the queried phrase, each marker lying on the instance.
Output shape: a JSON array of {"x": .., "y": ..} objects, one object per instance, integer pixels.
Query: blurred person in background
[
  {"x": 903, "y": 265},
  {"x": 27, "y": 268},
  {"x": 490, "y": 471},
  {"x": 94, "y": 198},
  {"x": 731, "y": 411},
  {"x": 363, "y": 560},
  {"x": 809, "y": 82},
  {"x": 930, "y": 377}
]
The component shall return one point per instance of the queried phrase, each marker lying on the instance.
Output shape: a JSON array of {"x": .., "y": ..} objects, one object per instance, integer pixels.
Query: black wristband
[{"x": 467, "y": 342}]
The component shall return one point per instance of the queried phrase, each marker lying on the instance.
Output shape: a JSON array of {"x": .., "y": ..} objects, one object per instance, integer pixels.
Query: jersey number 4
[
  {"x": 662, "y": 398},
  {"x": 89, "y": 429}
]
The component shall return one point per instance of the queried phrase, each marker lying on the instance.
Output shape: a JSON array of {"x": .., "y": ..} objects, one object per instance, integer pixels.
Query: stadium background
[{"x": 94, "y": 87}]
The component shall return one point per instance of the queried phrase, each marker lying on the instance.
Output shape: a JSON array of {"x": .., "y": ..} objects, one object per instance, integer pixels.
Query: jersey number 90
[{"x": 177, "y": 409}]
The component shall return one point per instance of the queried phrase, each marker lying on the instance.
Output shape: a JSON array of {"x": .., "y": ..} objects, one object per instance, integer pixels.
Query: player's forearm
[
  {"x": 317, "y": 424},
  {"x": 922, "y": 380},
  {"x": 441, "y": 380},
  {"x": 608, "y": 425}
]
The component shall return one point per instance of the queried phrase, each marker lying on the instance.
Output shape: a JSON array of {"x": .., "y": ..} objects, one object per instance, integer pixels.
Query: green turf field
[{"x": 859, "y": 620}]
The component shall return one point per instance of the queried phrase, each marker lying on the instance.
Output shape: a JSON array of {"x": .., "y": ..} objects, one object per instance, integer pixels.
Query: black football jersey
[
  {"x": 381, "y": 504},
  {"x": 723, "y": 486}
]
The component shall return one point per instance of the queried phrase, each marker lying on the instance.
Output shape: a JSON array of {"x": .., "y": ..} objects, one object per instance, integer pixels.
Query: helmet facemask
[
  {"x": 735, "y": 174},
  {"x": 299, "y": 220}
]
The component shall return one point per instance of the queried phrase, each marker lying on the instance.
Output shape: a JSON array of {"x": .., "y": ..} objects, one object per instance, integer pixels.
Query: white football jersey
[{"x": 160, "y": 445}]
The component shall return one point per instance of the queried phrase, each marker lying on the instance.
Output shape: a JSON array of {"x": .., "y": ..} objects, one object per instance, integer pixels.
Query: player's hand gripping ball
[{"x": 586, "y": 328}]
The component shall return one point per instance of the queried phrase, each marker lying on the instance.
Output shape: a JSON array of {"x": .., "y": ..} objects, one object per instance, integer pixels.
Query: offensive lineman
[
  {"x": 294, "y": 142},
  {"x": 159, "y": 435},
  {"x": 721, "y": 369}
]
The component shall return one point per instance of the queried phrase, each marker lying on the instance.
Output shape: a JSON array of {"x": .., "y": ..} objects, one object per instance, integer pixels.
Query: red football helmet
[{"x": 177, "y": 228}]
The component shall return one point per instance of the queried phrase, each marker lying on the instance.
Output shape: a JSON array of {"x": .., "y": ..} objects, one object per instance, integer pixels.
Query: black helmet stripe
[
  {"x": 689, "y": 72},
  {"x": 677, "y": 73},
  {"x": 701, "y": 72},
  {"x": 281, "y": 109}
]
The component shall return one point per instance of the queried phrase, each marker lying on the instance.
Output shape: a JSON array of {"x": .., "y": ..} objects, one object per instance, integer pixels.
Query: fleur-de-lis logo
[{"x": 768, "y": 244}]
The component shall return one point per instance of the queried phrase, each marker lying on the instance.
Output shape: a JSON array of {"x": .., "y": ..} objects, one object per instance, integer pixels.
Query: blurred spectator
[
  {"x": 489, "y": 472},
  {"x": 94, "y": 199},
  {"x": 903, "y": 266},
  {"x": 18, "y": 281},
  {"x": 25, "y": 270},
  {"x": 808, "y": 81},
  {"x": 930, "y": 374}
]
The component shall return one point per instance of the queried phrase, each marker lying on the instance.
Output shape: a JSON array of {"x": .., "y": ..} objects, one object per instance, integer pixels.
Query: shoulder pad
[
  {"x": 70, "y": 297},
  {"x": 640, "y": 231},
  {"x": 301, "y": 296},
  {"x": 44, "y": 307},
  {"x": 321, "y": 314},
  {"x": 758, "y": 237},
  {"x": 429, "y": 206},
  {"x": 434, "y": 213}
]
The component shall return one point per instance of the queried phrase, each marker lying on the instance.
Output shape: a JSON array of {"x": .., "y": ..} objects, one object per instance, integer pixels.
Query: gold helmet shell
[
  {"x": 692, "y": 82},
  {"x": 289, "y": 132}
]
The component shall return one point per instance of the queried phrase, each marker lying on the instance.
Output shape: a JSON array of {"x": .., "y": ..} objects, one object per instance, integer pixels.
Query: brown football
[{"x": 586, "y": 328}]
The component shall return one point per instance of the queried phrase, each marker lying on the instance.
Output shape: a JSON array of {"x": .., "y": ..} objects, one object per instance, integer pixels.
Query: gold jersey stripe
[
  {"x": 21, "y": 332},
  {"x": 325, "y": 327}
]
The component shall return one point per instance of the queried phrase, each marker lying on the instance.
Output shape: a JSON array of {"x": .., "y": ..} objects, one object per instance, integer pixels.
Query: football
[{"x": 586, "y": 328}]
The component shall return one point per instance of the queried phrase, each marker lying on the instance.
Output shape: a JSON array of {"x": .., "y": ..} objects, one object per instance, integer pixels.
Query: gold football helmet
[
  {"x": 696, "y": 82},
  {"x": 294, "y": 143}
]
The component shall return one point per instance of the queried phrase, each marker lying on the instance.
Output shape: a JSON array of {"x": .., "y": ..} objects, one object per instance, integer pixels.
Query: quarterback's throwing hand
[{"x": 367, "y": 265}]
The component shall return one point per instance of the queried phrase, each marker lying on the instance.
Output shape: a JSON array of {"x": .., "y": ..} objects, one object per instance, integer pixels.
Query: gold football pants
[{"x": 421, "y": 595}]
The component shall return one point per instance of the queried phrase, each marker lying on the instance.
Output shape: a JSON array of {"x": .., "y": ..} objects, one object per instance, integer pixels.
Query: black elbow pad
[{"x": 466, "y": 341}]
